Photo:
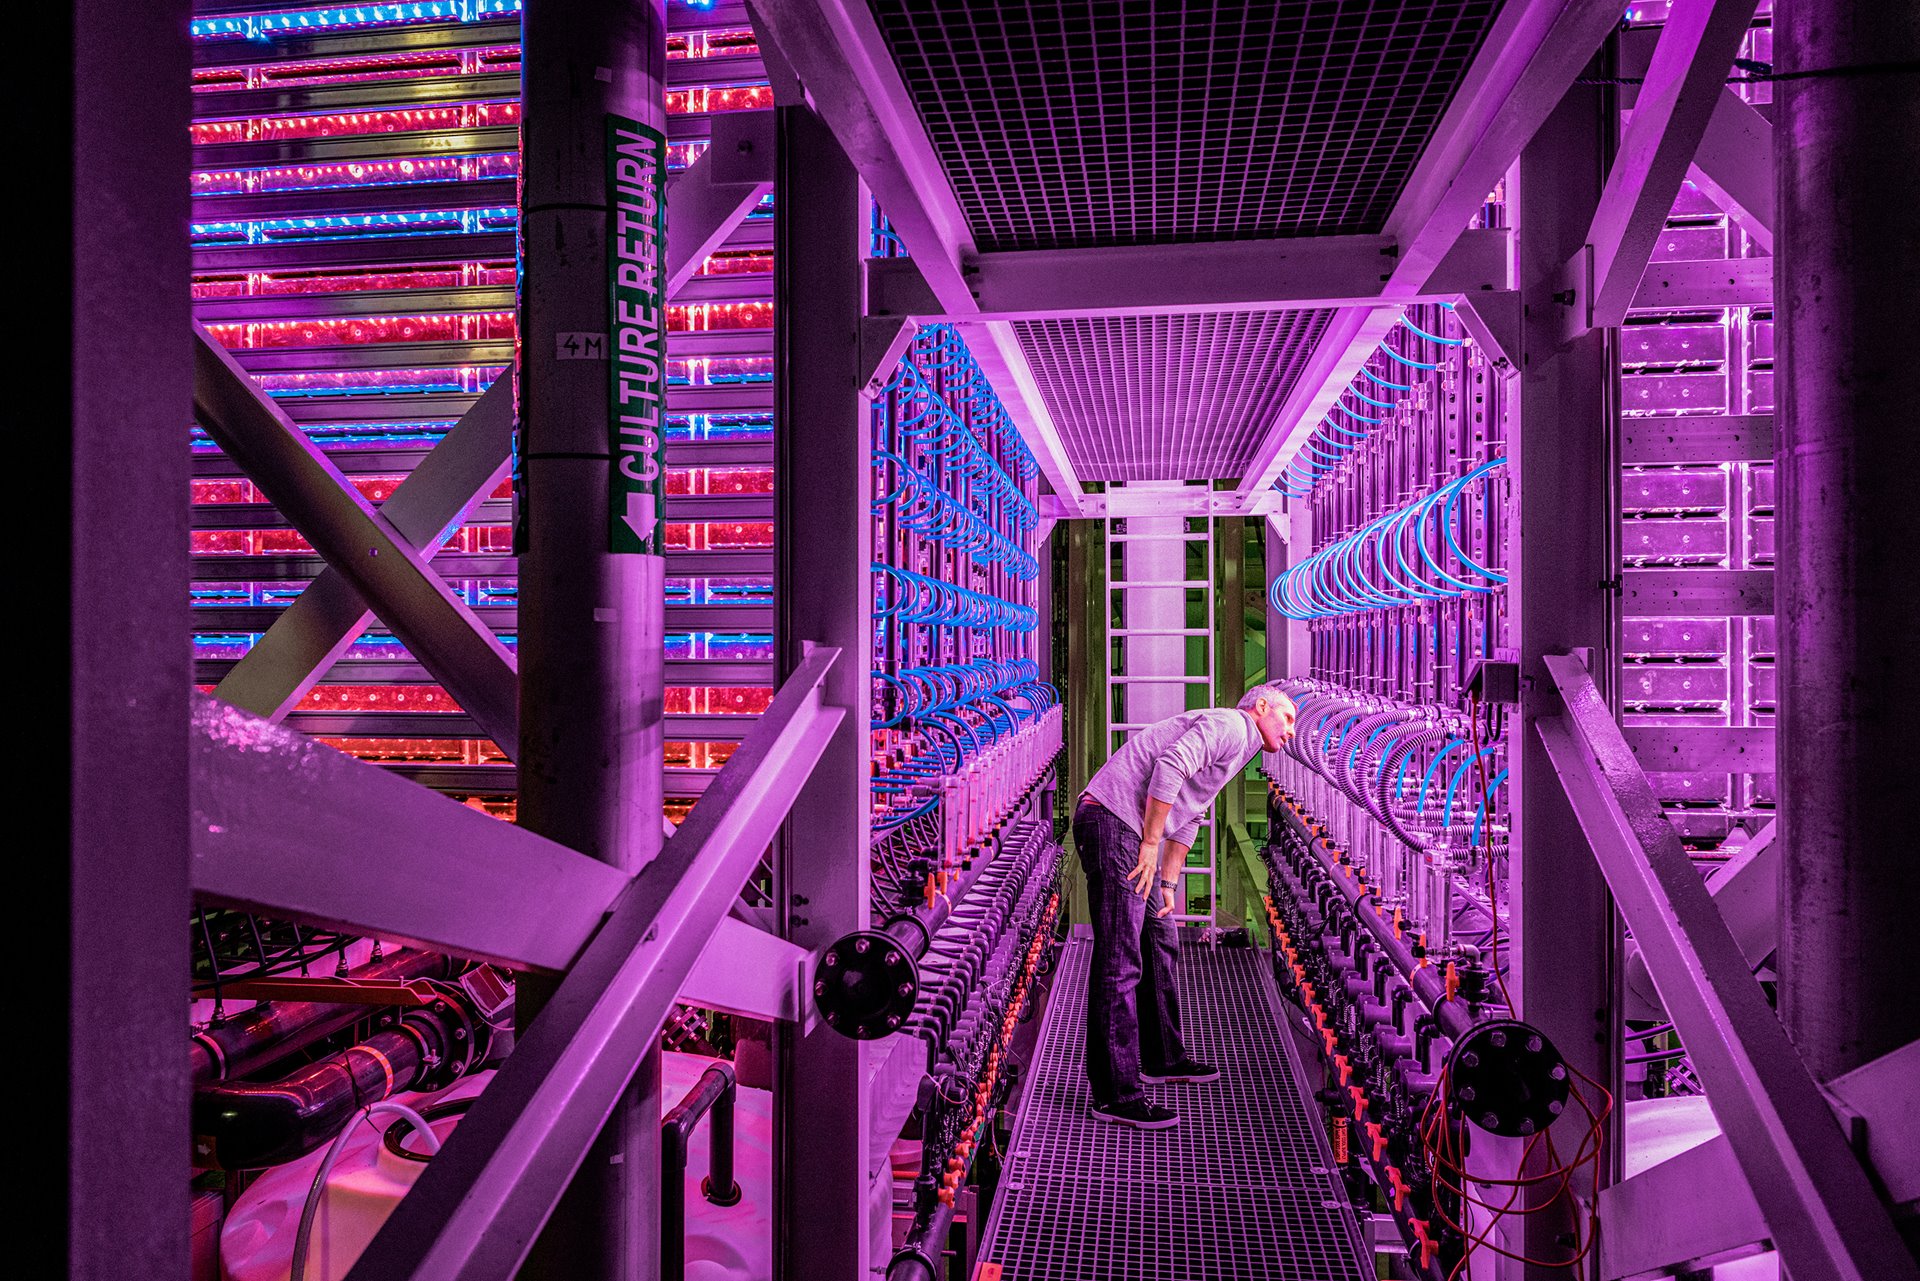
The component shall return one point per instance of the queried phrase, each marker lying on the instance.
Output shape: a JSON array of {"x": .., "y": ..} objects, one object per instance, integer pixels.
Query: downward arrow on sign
[{"x": 639, "y": 515}]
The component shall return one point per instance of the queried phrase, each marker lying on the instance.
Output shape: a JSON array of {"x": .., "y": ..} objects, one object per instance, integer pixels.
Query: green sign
[{"x": 637, "y": 329}]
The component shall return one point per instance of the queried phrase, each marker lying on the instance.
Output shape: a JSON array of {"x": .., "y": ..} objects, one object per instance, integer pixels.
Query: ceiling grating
[
  {"x": 1080, "y": 123},
  {"x": 1184, "y": 397}
]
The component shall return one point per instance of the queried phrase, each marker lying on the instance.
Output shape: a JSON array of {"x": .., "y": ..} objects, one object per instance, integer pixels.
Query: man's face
[{"x": 1274, "y": 720}]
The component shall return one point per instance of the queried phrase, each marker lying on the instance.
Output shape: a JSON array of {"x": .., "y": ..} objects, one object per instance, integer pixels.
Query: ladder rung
[
  {"x": 1159, "y": 631},
  {"x": 1121, "y": 586},
  {"x": 1156, "y": 538},
  {"x": 1159, "y": 680}
]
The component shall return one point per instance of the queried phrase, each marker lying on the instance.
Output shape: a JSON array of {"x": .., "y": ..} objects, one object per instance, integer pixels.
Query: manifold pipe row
[
  {"x": 1025, "y": 942},
  {"x": 972, "y": 948},
  {"x": 1353, "y": 761},
  {"x": 1320, "y": 876}
]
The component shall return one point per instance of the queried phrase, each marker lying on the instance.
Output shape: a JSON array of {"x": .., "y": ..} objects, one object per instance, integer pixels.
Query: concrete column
[
  {"x": 1562, "y": 922},
  {"x": 115, "y": 1003},
  {"x": 1847, "y": 149},
  {"x": 592, "y": 623},
  {"x": 824, "y": 1163}
]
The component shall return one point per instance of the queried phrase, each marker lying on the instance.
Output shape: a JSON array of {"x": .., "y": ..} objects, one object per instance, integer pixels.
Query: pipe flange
[
  {"x": 866, "y": 985},
  {"x": 1508, "y": 1079}
]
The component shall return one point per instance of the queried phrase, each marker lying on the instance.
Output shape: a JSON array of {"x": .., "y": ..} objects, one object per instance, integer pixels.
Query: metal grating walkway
[{"x": 1242, "y": 1188}]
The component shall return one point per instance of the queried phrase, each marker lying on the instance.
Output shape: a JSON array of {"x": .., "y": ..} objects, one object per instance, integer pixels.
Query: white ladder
[{"x": 1153, "y": 681}]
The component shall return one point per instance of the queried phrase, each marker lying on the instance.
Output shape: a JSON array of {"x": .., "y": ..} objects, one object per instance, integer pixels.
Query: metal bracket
[
  {"x": 1573, "y": 295},
  {"x": 1492, "y": 320}
]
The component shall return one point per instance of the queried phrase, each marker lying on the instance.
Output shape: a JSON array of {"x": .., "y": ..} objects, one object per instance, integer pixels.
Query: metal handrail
[{"x": 715, "y": 1092}]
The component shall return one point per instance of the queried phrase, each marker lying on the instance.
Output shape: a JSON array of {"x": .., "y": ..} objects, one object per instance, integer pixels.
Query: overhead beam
[
  {"x": 1192, "y": 500},
  {"x": 477, "y": 1208},
  {"x": 329, "y": 614},
  {"x": 1224, "y": 276},
  {"x": 1734, "y": 165},
  {"x": 1823, "y": 1214},
  {"x": 1530, "y": 58},
  {"x": 837, "y": 53},
  {"x": 1684, "y": 84},
  {"x": 381, "y": 563},
  {"x": 1350, "y": 338}
]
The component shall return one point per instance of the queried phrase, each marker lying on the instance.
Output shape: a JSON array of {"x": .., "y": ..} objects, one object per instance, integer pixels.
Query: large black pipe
[
  {"x": 239, "y": 1125},
  {"x": 274, "y": 1030},
  {"x": 918, "y": 1259}
]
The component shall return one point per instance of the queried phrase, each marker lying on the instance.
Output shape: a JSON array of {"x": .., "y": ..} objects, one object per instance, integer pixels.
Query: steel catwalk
[{"x": 1244, "y": 1186}]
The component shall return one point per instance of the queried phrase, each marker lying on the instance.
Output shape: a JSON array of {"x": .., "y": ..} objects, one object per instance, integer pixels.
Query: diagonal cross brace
[
  {"x": 476, "y": 1210},
  {"x": 330, "y": 614},
  {"x": 706, "y": 203},
  {"x": 381, "y": 563},
  {"x": 1821, "y": 1209},
  {"x": 1684, "y": 83}
]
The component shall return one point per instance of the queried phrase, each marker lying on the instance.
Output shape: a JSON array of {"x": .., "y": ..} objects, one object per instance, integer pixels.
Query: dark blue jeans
[{"x": 1133, "y": 1014}]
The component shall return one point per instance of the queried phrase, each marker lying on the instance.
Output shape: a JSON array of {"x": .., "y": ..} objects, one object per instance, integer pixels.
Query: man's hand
[{"x": 1145, "y": 869}]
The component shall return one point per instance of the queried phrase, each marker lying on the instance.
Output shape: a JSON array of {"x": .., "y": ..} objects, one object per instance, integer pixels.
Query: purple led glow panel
[
  {"x": 468, "y": 379},
  {"x": 406, "y": 64}
]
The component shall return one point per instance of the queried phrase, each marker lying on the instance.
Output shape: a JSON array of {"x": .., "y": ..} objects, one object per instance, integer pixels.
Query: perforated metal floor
[{"x": 1242, "y": 1188}]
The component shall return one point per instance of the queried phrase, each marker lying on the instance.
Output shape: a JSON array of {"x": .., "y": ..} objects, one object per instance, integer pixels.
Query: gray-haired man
[{"x": 1133, "y": 827}]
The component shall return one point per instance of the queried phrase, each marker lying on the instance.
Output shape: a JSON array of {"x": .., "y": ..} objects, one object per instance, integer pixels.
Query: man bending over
[{"x": 1133, "y": 827}]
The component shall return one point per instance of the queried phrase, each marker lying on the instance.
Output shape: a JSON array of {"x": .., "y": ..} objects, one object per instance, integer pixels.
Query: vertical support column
[
  {"x": 592, "y": 623},
  {"x": 1561, "y": 926},
  {"x": 1087, "y": 649},
  {"x": 1230, "y": 642},
  {"x": 130, "y": 367},
  {"x": 1280, "y": 648},
  {"x": 824, "y": 596},
  {"x": 1848, "y": 268}
]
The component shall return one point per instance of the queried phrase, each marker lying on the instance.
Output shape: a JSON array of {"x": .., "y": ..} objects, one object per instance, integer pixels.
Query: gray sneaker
[
  {"x": 1189, "y": 1070},
  {"x": 1139, "y": 1114}
]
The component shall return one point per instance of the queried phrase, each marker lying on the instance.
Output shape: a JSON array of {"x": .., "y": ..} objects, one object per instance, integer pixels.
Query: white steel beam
[
  {"x": 1131, "y": 500},
  {"x": 1684, "y": 83},
  {"x": 1658, "y": 1221},
  {"x": 476, "y": 1210},
  {"x": 288, "y": 827},
  {"x": 1529, "y": 60},
  {"x": 1881, "y": 1095},
  {"x": 1224, "y": 276},
  {"x": 1821, "y": 1211},
  {"x": 382, "y": 564},
  {"x": 836, "y": 51},
  {"x": 1734, "y": 165},
  {"x": 296, "y": 830}
]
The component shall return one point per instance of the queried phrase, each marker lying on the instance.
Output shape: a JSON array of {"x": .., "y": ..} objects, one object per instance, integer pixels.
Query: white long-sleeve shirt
[{"x": 1183, "y": 760}]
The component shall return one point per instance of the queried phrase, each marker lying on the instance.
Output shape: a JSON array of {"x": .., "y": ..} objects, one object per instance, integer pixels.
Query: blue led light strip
[{"x": 264, "y": 25}]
